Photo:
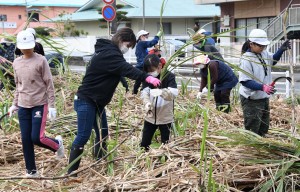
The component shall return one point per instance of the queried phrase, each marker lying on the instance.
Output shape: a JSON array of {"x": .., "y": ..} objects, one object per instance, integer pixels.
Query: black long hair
[
  {"x": 151, "y": 61},
  {"x": 245, "y": 47}
]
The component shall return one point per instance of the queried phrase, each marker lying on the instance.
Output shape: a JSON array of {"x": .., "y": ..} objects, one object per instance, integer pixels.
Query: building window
[
  {"x": 206, "y": 25},
  {"x": 3, "y": 17},
  {"x": 34, "y": 17},
  {"x": 244, "y": 26},
  {"x": 20, "y": 16},
  {"x": 167, "y": 27}
]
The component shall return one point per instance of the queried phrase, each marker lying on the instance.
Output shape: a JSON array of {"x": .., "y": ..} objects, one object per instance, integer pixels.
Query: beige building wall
[
  {"x": 92, "y": 27},
  {"x": 256, "y": 8},
  {"x": 179, "y": 26}
]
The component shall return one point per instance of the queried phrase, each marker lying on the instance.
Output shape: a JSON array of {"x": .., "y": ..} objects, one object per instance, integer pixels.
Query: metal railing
[{"x": 275, "y": 28}]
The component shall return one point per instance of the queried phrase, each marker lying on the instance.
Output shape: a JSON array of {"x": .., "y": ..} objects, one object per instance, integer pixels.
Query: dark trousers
[
  {"x": 256, "y": 115},
  {"x": 32, "y": 124},
  {"x": 222, "y": 99},
  {"x": 137, "y": 84},
  {"x": 87, "y": 121},
  {"x": 149, "y": 130}
]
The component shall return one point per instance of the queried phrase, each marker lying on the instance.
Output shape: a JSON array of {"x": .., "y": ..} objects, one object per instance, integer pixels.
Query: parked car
[{"x": 56, "y": 62}]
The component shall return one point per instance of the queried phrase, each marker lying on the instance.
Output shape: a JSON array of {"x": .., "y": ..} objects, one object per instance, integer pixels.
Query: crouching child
[{"x": 158, "y": 103}]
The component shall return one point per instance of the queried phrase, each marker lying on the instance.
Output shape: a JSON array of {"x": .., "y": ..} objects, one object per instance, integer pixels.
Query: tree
[{"x": 120, "y": 16}]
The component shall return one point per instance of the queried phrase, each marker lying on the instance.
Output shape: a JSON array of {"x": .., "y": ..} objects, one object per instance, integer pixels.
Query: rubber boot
[
  {"x": 75, "y": 152},
  {"x": 227, "y": 108},
  {"x": 218, "y": 106},
  {"x": 224, "y": 108},
  {"x": 99, "y": 150}
]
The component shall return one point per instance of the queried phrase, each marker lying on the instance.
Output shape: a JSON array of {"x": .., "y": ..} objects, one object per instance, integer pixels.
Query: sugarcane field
[{"x": 139, "y": 95}]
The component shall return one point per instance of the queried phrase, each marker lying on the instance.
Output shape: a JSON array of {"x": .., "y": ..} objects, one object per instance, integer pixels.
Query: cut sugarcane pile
[{"x": 240, "y": 160}]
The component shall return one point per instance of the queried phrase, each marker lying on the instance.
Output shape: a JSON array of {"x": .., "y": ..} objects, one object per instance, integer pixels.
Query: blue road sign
[{"x": 108, "y": 12}]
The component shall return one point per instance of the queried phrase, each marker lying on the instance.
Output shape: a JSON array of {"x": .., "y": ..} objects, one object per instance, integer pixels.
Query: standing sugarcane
[{"x": 286, "y": 13}]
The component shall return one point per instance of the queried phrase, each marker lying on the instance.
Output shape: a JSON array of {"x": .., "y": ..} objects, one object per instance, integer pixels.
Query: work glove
[
  {"x": 199, "y": 94},
  {"x": 12, "y": 110},
  {"x": 152, "y": 80},
  {"x": 166, "y": 94},
  {"x": 51, "y": 113},
  {"x": 159, "y": 33},
  {"x": 148, "y": 107},
  {"x": 268, "y": 89},
  {"x": 286, "y": 45}
]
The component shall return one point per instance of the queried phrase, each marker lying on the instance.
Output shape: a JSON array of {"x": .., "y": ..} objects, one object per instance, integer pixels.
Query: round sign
[
  {"x": 108, "y": 12},
  {"x": 108, "y": 1}
]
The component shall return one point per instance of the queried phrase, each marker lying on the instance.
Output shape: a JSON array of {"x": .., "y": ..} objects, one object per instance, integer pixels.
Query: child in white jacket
[{"x": 159, "y": 103}]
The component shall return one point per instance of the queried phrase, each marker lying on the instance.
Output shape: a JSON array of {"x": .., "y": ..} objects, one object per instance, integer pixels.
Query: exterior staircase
[{"x": 275, "y": 29}]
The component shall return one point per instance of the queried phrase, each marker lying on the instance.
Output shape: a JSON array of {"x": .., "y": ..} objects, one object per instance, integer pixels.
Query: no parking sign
[{"x": 108, "y": 12}]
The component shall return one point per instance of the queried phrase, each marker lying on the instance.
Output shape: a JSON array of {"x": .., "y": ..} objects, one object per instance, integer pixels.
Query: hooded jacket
[
  {"x": 163, "y": 110},
  {"x": 104, "y": 72}
]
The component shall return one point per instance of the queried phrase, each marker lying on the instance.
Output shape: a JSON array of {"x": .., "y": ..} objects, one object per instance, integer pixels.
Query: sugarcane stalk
[{"x": 290, "y": 61}]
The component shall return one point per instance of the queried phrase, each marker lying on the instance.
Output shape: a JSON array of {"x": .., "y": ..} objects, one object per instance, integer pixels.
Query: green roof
[
  {"x": 90, "y": 15},
  {"x": 173, "y": 9},
  {"x": 42, "y": 3},
  {"x": 134, "y": 9}
]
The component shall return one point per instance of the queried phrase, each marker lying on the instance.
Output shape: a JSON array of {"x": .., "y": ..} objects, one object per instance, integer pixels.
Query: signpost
[{"x": 108, "y": 13}]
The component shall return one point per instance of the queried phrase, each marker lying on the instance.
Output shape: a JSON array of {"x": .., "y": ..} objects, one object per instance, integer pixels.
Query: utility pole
[
  {"x": 26, "y": 10},
  {"x": 144, "y": 14}
]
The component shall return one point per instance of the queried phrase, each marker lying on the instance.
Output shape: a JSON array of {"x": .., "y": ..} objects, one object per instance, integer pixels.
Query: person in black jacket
[{"x": 102, "y": 76}]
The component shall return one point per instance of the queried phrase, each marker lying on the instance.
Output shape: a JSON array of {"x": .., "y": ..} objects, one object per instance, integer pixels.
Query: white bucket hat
[
  {"x": 259, "y": 36},
  {"x": 201, "y": 59},
  {"x": 140, "y": 33},
  {"x": 25, "y": 40}
]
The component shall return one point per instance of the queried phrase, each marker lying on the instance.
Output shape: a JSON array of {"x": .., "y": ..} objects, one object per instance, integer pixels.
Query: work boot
[
  {"x": 75, "y": 152},
  {"x": 227, "y": 108},
  {"x": 100, "y": 150}
]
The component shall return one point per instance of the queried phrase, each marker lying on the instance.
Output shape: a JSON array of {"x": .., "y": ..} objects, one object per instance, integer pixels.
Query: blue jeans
[
  {"x": 87, "y": 121},
  {"x": 32, "y": 124}
]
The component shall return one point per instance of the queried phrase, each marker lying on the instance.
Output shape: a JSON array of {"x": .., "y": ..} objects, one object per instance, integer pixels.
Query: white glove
[
  {"x": 204, "y": 90},
  {"x": 166, "y": 94},
  {"x": 199, "y": 95},
  {"x": 148, "y": 107},
  {"x": 52, "y": 113},
  {"x": 12, "y": 110}
]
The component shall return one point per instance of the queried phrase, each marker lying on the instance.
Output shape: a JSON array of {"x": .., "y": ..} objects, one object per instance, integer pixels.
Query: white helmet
[
  {"x": 140, "y": 33},
  {"x": 259, "y": 36}
]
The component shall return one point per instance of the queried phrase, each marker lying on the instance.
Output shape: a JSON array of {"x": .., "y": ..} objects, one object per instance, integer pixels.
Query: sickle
[
  {"x": 283, "y": 77},
  {"x": 2, "y": 117}
]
